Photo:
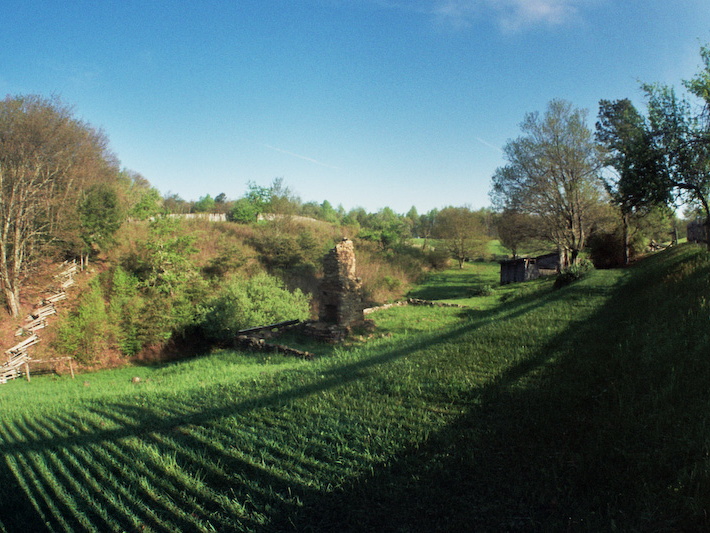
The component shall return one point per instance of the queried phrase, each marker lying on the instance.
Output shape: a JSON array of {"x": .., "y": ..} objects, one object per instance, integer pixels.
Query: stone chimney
[{"x": 341, "y": 290}]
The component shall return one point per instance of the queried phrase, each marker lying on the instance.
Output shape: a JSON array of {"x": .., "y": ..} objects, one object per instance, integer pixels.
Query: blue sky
[{"x": 368, "y": 103}]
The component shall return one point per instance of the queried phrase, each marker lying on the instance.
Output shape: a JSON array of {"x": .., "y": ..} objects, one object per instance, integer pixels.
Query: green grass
[
  {"x": 476, "y": 285},
  {"x": 582, "y": 409}
]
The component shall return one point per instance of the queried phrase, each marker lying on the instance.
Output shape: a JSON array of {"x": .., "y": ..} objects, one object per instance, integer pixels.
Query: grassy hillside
[{"x": 580, "y": 409}]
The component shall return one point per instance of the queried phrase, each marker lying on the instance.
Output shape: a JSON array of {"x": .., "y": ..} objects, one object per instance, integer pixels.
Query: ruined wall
[{"x": 341, "y": 289}]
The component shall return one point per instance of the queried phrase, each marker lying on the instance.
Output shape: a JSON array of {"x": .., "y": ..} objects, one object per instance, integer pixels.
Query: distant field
[{"x": 584, "y": 408}]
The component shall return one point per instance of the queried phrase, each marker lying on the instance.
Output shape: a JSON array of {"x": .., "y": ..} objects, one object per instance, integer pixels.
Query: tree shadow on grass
[
  {"x": 53, "y": 457},
  {"x": 586, "y": 435},
  {"x": 567, "y": 439},
  {"x": 451, "y": 285}
]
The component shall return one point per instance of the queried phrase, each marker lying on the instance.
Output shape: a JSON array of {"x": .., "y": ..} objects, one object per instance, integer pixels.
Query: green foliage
[
  {"x": 85, "y": 333},
  {"x": 100, "y": 216},
  {"x": 553, "y": 174},
  {"x": 149, "y": 204},
  {"x": 484, "y": 290},
  {"x": 164, "y": 263},
  {"x": 439, "y": 258},
  {"x": 385, "y": 227},
  {"x": 205, "y": 204},
  {"x": 125, "y": 310},
  {"x": 573, "y": 273},
  {"x": 229, "y": 258},
  {"x": 462, "y": 233},
  {"x": 244, "y": 211},
  {"x": 258, "y": 301},
  {"x": 284, "y": 247}
]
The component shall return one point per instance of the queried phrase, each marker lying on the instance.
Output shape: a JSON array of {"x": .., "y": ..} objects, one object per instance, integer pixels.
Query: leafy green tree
[
  {"x": 281, "y": 200},
  {"x": 149, "y": 204},
  {"x": 100, "y": 216},
  {"x": 166, "y": 263},
  {"x": 244, "y": 211},
  {"x": 125, "y": 310},
  {"x": 426, "y": 226},
  {"x": 85, "y": 332},
  {"x": 174, "y": 204},
  {"x": 516, "y": 229},
  {"x": 637, "y": 181},
  {"x": 462, "y": 231},
  {"x": 206, "y": 204},
  {"x": 328, "y": 213},
  {"x": 682, "y": 136},
  {"x": 384, "y": 227},
  {"x": 412, "y": 219},
  {"x": 553, "y": 173}
]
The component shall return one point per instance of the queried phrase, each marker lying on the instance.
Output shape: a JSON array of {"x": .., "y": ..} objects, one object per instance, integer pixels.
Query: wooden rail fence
[{"x": 17, "y": 357}]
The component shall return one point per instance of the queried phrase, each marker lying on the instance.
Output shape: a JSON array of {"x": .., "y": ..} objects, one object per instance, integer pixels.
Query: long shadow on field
[
  {"x": 534, "y": 450},
  {"x": 108, "y": 471},
  {"x": 611, "y": 435},
  {"x": 449, "y": 285}
]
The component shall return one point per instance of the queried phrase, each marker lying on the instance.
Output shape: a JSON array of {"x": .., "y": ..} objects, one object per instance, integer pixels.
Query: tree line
[{"x": 63, "y": 193}]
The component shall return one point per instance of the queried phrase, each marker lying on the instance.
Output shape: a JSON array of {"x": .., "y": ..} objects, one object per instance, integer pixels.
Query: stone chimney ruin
[{"x": 341, "y": 290}]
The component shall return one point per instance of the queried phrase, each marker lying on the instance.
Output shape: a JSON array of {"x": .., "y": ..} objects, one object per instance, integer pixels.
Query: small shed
[
  {"x": 527, "y": 268},
  {"x": 697, "y": 231}
]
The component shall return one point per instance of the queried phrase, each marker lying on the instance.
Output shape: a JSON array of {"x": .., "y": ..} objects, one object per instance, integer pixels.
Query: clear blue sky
[{"x": 366, "y": 103}]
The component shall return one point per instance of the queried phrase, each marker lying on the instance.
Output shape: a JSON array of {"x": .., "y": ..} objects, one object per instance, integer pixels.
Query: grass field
[{"x": 581, "y": 409}]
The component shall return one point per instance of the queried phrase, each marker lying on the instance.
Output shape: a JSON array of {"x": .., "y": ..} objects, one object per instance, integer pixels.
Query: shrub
[
  {"x": 246, "y": 303},
  {"x": 438, "y": 258},
  {"x": 573, "y": 273},
  {"x": 484, "y": 290},
  {"x": 85, "y": 332},
  {"x": 125, "y": 307}
]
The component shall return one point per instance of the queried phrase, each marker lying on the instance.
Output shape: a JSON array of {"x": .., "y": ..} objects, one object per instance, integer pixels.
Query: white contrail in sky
[
  {"x": 489, "y": 145},
  {"x": 310, "y": 159}
]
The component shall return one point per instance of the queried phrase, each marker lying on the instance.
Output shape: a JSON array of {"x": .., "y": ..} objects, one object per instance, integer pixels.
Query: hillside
[{"x": 583, "y": 408}]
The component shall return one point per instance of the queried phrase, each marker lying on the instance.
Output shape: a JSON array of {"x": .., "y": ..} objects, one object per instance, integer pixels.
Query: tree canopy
[
  {"x": 47, "y": 157},
  {"x": 553, "y": 173},
  {"x": 462, "y": 231}
]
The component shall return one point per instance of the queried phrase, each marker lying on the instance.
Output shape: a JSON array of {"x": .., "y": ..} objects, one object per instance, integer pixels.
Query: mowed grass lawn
[{"x": 580, "y": 409}]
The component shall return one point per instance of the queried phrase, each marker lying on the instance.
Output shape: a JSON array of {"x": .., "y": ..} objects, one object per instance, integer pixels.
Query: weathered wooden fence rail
[{"x": 18, "y": 359}]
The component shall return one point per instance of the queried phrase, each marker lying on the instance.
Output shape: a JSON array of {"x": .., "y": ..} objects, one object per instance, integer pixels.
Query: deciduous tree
[
  {"x": 682, "y": 136},
  {"x": 516, "y": 229},
  {"x": 46, "y": 158},
  {"x": 636, "y": 181},
  {"x": 462, "y": 231},
  {"x": 553, "y": 173}
]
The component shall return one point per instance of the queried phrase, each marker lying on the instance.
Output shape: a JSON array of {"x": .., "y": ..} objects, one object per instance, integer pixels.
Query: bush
[
  {"x": 573, "y": 273},
  {"x": 125, "y": 307},
  {"x": 246, "y": 303},
  {"x": 85, "y": 333},
  {"x": 438, "y": 259},
  {"x": 484, "y": 290}
]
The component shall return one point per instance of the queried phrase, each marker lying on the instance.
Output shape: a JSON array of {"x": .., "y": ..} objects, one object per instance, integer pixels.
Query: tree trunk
[
  {"x": 12, "y": 301},
  {"x": 627, "y": 243}
]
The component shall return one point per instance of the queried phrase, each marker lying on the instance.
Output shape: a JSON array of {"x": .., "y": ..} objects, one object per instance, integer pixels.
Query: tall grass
[{"x": 582, "y": 409}]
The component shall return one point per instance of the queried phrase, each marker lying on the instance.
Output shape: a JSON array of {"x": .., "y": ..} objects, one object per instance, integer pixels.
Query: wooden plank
[
  {"x": 29, "y": 341},
  {"x": 270, "y": 326},
  {"x": 55, "y": 297}
]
